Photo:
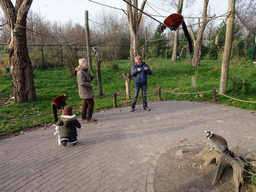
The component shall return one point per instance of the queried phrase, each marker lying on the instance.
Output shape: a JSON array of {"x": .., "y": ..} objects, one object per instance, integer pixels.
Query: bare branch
[
  {"x": 9, "y": 12},
  {"x": 24, "y": 8},
  {"x": 141, "y": 8}
]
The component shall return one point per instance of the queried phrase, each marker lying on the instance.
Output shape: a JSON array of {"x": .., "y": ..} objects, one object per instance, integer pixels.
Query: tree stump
[
  {"x": 242, "y": 166},
  {"x": 128, "y": 79}
]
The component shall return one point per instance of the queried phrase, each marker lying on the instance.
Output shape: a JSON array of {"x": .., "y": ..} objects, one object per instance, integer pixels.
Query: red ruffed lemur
[{"x": 173, "y": 21}]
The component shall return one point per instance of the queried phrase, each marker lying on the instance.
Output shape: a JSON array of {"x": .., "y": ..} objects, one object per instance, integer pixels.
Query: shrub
[
  {"x": 240, "y": 85},
  {"x": 70, "y": 59}
]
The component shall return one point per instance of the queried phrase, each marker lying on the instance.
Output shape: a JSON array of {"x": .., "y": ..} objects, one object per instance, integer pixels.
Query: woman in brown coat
[{"x": 84, "y": 79}]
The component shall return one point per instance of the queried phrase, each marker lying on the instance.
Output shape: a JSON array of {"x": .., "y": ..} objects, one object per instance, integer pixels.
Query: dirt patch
[{"x": 179, "y": 170}]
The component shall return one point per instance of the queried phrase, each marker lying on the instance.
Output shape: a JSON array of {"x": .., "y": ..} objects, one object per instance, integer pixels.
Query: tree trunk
[
  {"x": 88, "y": 44},
  {"x": 21, "y": 68},
  {"x": 198, "y": 44},
  {"x": 144, "y": 52},
  {"x": 134, "y": 19},
  {"x": 197, "y": 53},
  {"x": 241, "y": 165},
  {"x": 228, "y": 47},
  {"x": 99, "y": 78},
  {"x": 176, "y": 45},
  {"x": 176, "y": 37},
  {"x": 134, "y": 48},
  {"x": 128, "y": 79},
  {"x": 20, "y": 63},
  {"x": 192, "y": 34},
  {"x": 98, "y": 62}
]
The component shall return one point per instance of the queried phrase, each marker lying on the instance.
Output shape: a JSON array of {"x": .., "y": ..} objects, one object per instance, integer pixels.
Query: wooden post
[
  {"x": 159, "y": 93},
  {"x": 87, "y": 38},
  {"x": 42, "y": 50},
  {"x": 114, "y": 99},
  {"x": 214, "y": 94},
  {"x": 61, "y": 55}
]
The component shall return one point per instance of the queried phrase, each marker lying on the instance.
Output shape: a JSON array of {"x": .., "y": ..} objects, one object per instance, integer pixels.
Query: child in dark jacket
[{"x": 68, "y": 123}]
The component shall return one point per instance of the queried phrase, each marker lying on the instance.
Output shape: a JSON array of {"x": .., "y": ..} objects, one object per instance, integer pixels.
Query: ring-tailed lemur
[{"x": 218, "y": 143}]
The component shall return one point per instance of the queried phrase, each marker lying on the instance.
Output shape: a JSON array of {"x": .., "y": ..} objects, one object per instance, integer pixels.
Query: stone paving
[{"x": 120, "y": 152}]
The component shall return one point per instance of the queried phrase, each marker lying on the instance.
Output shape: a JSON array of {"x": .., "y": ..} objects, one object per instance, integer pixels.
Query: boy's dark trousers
[{"x": 88, "y": 104}]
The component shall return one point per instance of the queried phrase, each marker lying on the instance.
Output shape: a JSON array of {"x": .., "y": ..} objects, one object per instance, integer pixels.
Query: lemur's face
[{"x": 208, "y": 134}]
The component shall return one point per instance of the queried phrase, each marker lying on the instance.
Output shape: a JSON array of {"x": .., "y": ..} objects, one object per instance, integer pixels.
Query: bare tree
[
  {"x": 176, "y": 37},
  {"x": 228, "y": 47},
  {"x": 209, "y": 30},
  {"x": 134, "y": 19},
  {"x": 111, "y": 35},
  {"x": 198, "y": 43},
  {"x": 20, "y": 63},
  {"x": 98, "y": 62},
  {"x": 4, "y": 32}
]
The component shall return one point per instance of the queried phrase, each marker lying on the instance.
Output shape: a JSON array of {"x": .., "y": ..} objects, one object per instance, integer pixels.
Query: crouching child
[{"x": 68, "y": 123}]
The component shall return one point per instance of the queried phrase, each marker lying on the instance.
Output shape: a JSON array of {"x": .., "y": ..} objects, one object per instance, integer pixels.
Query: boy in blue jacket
[{"x": 140, "y": 71}]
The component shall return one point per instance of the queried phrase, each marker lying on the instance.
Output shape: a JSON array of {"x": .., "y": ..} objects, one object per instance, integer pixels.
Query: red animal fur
[{"x": 173, "y": 21}]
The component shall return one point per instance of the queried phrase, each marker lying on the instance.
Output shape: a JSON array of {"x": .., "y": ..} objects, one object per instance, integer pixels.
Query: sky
[{"x": 65, "y": 10}]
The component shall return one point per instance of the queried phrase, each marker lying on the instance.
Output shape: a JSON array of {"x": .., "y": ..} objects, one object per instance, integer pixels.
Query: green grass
[{"x": 169, "y": 75}]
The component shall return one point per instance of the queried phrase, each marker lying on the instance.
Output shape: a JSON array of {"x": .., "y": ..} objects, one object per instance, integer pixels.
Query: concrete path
[{"x": 120, "y": 152}]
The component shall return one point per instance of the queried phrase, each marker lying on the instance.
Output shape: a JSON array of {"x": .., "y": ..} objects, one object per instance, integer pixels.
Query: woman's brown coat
[{"x": 84, "y": 80}]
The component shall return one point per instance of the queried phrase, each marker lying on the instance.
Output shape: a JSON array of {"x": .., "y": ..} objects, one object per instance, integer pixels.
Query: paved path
[{"x": 120, "y": 152}]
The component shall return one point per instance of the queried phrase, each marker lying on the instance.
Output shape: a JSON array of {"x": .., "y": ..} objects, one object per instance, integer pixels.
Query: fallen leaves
[
  {"x": 190, "y": 165},
  {"x": 178, "y": 95},
  {"x": 182, "y": 140}
]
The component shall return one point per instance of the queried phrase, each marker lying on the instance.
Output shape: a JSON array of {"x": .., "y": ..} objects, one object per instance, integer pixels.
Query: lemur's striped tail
[{"x": 229, "y": 152}]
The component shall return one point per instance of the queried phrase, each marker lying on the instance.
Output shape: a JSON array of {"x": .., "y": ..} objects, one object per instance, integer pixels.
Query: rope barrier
[
  {"x": 103, "y": 99},
  {"x": 155, "y": 91},
  {"x": 235, "y": 98},
  {"x": 186, "y": 93}
]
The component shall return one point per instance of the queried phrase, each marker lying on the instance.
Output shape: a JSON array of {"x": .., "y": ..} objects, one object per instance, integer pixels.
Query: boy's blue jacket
[{"x": 141, "y": 76}]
